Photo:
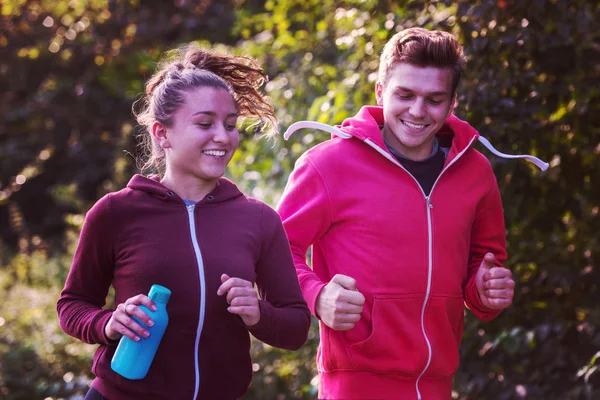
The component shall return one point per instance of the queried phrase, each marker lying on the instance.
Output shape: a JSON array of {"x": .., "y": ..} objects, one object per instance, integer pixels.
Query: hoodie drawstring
[
  {"x": 315, "y": 125},
  {"x": 539, "y": 163},
  {"x": 338, "y": 132}
]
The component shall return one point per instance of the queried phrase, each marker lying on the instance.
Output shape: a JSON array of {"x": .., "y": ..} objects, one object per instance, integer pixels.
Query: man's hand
[
  {"x": 241, "y": 297},
  {"x": 494, "y": 284},
  {"x": 339, "y": 303}
]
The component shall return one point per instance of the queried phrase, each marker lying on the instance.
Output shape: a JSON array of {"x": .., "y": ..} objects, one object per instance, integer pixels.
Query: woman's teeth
[{"x": 215, "y": 153}]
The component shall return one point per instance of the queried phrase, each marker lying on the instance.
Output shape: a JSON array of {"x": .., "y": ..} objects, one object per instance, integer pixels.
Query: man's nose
[{"x": 417, "y": 109}]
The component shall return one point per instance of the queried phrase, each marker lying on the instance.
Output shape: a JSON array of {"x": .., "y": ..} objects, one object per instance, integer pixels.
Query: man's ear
[
  {"x": 452, "y": 105},
  {"x": 379, "y": 94},
  {"x": 159, "y": 133}
]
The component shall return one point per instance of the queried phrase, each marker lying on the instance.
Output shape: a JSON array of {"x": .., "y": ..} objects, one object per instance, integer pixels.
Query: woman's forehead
[{"x": 208, "y": 100}]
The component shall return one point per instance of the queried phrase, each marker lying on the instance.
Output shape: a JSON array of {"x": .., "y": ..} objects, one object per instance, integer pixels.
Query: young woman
[{"x": 192, "y": 231}]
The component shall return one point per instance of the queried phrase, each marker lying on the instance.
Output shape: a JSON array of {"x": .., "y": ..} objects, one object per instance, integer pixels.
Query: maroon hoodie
[{"x": 144, "y": 235}]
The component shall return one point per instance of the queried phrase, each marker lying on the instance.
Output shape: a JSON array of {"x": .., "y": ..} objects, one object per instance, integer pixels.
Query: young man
[{"x": 406, "y": 226}]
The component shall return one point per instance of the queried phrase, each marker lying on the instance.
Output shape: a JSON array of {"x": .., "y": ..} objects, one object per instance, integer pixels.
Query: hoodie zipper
[
  {"x": 200, "y": 263},
  {"x": 429, "y": 207}
]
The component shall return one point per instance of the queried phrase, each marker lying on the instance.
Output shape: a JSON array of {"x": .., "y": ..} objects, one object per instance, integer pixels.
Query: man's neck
[{"x": 434, "y": 149}]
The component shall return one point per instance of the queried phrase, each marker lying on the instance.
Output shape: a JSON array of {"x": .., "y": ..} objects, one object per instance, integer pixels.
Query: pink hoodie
[{"x": 414, "y": 257}]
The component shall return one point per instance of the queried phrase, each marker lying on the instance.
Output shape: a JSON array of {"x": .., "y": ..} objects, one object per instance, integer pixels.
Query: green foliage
[
  {"x": 532, "y": 87},
  {"x": 37, "y": 359},
  {"x": 280, "y": 374},
  {"x": 70, "y": 71}
]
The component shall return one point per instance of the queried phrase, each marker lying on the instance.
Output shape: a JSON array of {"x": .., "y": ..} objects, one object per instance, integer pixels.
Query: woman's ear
[{"x": 159, "y": 133}]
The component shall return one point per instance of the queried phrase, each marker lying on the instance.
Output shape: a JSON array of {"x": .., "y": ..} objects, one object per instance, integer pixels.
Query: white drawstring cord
[
  {"x": 540, "y": 164},
  {"x": 314, "y": 125},
  {"x": 338, "y": 132}
]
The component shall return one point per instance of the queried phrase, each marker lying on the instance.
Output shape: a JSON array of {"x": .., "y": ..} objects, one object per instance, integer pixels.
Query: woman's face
[{"x": 202, "y": 137}]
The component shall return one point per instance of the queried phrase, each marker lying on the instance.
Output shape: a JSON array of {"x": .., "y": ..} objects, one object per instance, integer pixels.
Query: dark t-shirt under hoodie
[{"x": 427, "y": 170}]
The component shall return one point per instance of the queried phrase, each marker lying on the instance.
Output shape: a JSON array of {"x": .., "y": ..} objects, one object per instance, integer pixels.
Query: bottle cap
[{"x": 159, "y": 294}]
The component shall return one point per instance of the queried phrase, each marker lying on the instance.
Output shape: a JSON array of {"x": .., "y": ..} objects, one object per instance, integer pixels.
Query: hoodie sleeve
[
  {"x": 81, "y": 302},
  {"x": 306, "y": 211},
  {"x": 487, "y": 235},
  {"x": 284, "y": 319}
]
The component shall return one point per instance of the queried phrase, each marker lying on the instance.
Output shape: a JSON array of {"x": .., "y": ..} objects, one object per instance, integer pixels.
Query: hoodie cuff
[
  {"x": 476, "y": 306},
  {"x": 101, "y": 332},
  {"x": 264, "y": 326},
  {"x": 311, "y": 292}
]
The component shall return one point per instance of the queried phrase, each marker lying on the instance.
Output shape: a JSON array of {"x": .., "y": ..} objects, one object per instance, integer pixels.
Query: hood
[
  {"x": 365, "y": 126},
  {"x": 225, "y": 190}
]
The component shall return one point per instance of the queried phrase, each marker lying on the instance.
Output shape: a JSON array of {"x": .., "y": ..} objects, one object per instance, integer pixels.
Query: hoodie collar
[
  {"x": 365, "y": 127},
  {"x": 224, "y": 191}
]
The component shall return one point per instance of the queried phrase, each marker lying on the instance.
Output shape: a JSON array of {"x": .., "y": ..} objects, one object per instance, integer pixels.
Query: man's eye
[
  {"x": 436, "y": 102},
  {"x": 204, "y": 125}
]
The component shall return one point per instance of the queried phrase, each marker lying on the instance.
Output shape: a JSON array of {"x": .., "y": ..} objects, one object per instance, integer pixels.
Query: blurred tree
[
  {"x": 69, "y": 72},
  {"x": 533, "y": 86}
]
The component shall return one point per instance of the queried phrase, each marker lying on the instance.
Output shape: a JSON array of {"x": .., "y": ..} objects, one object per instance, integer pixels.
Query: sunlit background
[{"x": 70, "y": 71}]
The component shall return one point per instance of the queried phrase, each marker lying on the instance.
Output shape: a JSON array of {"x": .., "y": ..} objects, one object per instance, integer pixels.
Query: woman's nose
[{"x": 220, "y": 134}]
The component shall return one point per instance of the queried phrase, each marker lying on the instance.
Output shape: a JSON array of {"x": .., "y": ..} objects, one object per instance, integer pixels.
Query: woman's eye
[
  {"x": 204, "y": 125},
  {"x": 230, "y": 127}
]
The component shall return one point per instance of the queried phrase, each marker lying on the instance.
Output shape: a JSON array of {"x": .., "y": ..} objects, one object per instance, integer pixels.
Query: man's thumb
[
  {"x": 489, "y": 261},
  {"x": 344, "y": 281}
]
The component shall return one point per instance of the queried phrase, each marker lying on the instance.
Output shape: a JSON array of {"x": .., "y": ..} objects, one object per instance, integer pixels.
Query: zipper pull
[{"x": 429, "y": 205}]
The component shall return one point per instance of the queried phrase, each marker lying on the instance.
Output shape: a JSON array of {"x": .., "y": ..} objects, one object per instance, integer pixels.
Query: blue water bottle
[{"x": 132, "y": 359}]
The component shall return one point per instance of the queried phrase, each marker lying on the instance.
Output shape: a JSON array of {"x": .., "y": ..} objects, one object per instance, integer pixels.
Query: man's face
[{"x": 416, "y": 101}]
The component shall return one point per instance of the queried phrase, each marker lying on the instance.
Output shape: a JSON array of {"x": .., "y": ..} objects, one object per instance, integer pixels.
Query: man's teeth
[
  {"x": 216, "y": 153},
  {"x": 413, "y": 126}
]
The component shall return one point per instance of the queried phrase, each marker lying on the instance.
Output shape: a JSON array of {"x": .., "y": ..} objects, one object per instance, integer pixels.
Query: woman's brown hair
[{"x": 193, "y": 67}]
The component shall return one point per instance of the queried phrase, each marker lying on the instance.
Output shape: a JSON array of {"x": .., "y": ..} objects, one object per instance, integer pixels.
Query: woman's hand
[
  {"x": 242, "y": 299},
  {"x": 121, "y": 322}
]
